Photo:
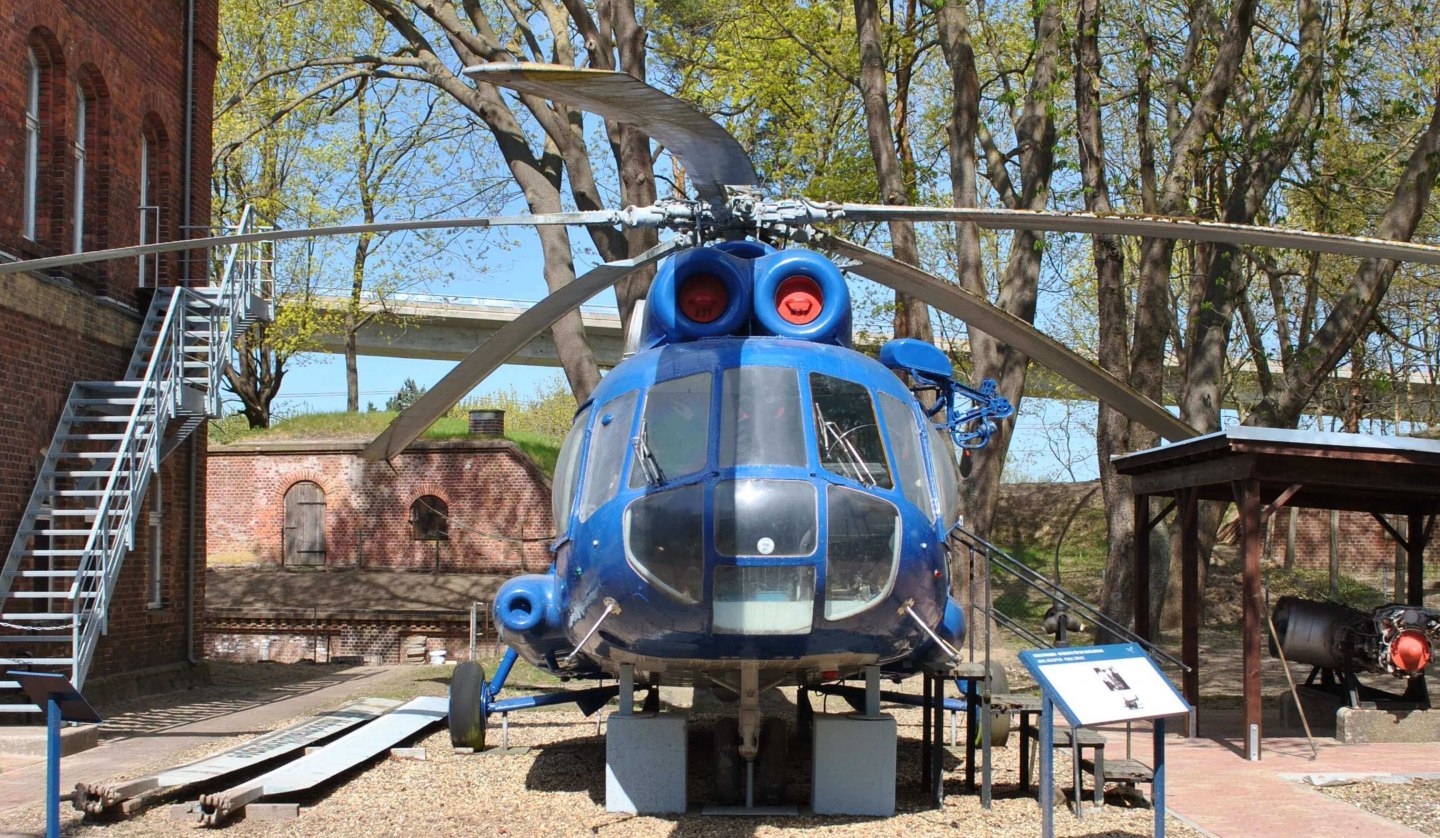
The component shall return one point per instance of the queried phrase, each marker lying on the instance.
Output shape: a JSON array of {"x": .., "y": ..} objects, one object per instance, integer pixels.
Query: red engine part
[
  {"x": 799, "y": 300},
  {"x": 703, "y": 298},
  {"x": 1410, "y": 651}
]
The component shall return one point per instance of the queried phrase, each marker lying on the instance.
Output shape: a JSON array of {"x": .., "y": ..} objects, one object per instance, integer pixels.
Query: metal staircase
[{"x": 60, "y": 574}]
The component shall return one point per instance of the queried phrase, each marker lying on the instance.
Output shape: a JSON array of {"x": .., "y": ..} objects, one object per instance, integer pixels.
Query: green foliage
[
  {"x": 1314, "y": 584},
  {"x": 408, "y": 394}
]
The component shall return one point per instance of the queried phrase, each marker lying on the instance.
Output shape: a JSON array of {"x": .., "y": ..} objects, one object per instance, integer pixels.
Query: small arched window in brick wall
[
  {"x": 44, "y": 207},
  {"x": 156, "y": 215},
  {"x": 430, "y": 519},
  {"x": 90, "y": 158}
]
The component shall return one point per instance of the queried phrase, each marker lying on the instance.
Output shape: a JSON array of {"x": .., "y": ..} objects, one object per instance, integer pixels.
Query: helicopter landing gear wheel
[
  {"x": 469, "y": 705},
  {"x": 652, "y": 701},
  {"x": 999, "y": 719},
  {"x": 804, "y": 716},
  {"x": 770, "y": 764},
  {"x": 729, "y": 767}
]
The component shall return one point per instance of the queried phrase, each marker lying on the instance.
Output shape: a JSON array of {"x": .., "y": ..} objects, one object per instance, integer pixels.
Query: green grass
[
  {"x": 1315, "y": 584},
  {"x": 365, "y": 426}
]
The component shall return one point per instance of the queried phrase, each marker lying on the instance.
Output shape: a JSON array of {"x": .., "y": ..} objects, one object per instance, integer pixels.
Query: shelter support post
[
  {"x": 1418, "y": 534},
  {"x": 1248, "y": 496},
  {"x": 1142, "y": 566},
  {"x": 1190, "y": 604}
]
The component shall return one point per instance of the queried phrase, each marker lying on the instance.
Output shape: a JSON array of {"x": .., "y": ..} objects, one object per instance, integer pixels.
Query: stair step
[
  {"x": 82, "y": 513},
  {"x": 53, "y": 531},
  {"x": 88, "y": 455},
  {"x": 56, "y": 574},
  {"x": 41, "y": 661},
  {"x": 53, "y": 595},
  {"x": 36, "y": 638},
  {"x": 72, "y": 493},
  {"x": 90, "y": 437},
  {"x": 83, "y": 473},
  {"x": 110, "y": 417},
  {"x": 51, "y": 552},
  {"x": 35, "y": 617},
  {"x": 17, "y": 708}
]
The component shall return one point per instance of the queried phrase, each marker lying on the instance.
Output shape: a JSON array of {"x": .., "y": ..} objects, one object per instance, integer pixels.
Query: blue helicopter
[
  {"x": 747, "y": 498},
  {"x": 746, "y": 501}
]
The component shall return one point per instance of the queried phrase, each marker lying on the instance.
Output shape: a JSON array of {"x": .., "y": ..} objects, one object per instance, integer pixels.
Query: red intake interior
[
  {"x": 703, "y": 298},
  {"x": 799, "y": 300}
]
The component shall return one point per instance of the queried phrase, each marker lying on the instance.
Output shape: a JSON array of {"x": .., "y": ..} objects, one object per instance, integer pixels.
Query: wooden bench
[{"x": 1087, "y": 739}]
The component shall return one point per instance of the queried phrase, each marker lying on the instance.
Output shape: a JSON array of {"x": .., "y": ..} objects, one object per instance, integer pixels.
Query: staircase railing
[
  {"x": 236, "y": 297},
  {"x": 1004, "y": 562}
]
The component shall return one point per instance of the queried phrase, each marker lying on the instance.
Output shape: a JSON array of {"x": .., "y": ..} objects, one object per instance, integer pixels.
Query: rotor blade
[
  {"x": 713, "y": 159},
  {"x": 488, "y": 356},
  {"x": 1153, "y": 226},
  {"x": 1006, "y": 327},
  {"x": 590, "y": 218}
]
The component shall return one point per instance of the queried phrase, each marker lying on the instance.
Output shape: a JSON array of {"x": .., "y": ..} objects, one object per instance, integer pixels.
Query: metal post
[
  {"x": 872, "y": 691},
  {"x": 927, "y": 688},
  {"x": 1334, "y": 553},
  {"x": 986, "y": 766},
  {"x": 52, "y": 767},
  {"x": 1415, "y": 537},
  {"x": 627, "y": 689},
  {"x": 1047, "y": 764},
  {"x": 1157, "y": 786}
]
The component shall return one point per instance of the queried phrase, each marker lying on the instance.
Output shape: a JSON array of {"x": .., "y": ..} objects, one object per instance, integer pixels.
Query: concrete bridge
[{"x": 444, "y": 327}]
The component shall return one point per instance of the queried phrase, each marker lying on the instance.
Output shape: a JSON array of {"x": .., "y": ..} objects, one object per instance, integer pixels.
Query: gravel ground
[
  {"x": 558, "y": 788},
  {"x": 1415, "y": 804}
]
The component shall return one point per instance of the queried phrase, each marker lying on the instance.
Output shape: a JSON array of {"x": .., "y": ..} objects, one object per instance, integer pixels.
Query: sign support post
[{"x": 62, "y": 702}]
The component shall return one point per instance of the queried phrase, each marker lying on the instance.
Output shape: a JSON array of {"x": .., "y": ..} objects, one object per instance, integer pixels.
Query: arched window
[
  {"x": 430, "y": 519},
  {"x": 32, "y": 140},
  {"x": 154, "y": 199},
  {"x": 77, "y": 154}
]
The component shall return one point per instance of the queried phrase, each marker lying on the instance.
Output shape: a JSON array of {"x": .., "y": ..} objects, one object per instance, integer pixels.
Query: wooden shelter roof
[{"x": 1380, "y": 474}]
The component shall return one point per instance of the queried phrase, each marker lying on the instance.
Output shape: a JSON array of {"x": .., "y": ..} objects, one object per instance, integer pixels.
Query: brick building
[
  {"x": 316, "y": 553},
  {"x": 93, "y": 154}
]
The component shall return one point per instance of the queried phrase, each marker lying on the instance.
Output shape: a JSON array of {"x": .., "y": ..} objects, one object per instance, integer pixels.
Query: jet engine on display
[{"x": 1394, "y": 639}]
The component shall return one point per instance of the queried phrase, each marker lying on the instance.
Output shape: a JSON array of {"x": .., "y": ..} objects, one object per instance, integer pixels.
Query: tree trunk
[{"x": 912, "y": 318}]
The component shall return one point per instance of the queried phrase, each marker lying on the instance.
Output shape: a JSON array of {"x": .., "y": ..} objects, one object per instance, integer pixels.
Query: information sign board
[{"x": 1098, "y": 684}]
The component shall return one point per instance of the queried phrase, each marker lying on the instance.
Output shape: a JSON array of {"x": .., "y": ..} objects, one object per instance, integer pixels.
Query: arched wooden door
[{"x": 305, "y": 524}]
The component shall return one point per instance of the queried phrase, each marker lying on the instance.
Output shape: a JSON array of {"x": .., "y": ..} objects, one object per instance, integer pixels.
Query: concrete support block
[
  {"x": 853, "y": 770},
  {"x": 645, "y": 763},
  {"x": 272, "y": 811},
  {"x": 1358, "y": 725},
  {"x": 408, "y": 753},
  {"x": 33, "y": 741}
]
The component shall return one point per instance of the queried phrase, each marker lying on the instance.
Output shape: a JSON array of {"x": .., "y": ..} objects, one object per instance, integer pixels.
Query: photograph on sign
[{"x": 1114, "y": 689}]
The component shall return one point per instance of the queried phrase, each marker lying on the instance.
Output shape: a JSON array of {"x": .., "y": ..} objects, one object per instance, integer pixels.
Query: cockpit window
[
  {"x": 846, "y": 431},
  {"x": 608, "y": 444},
  {"x": 947, "y": 476},
  {"x": 567, "y": 468},
  {"x": 904, "y": 435},
  {"x": 760, "y": 418},
  {"x": 674, "y": 434}
]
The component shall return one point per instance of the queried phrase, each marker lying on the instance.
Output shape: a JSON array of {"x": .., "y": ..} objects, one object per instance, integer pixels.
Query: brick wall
[
  {"x": 126, "y": 57},
  {"x": 378, "y": 641},
  {"x": 498, "y": 505}
]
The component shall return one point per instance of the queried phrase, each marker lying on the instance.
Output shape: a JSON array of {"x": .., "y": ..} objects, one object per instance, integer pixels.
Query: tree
[{"x": 407, "y": 395}]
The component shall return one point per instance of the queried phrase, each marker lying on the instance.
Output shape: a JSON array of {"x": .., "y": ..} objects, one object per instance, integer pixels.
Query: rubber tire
[
  {"x": 804, "y": 716},
  {"x": 467, "y": 706},
  {"x": 729, "y": 767},
  {"x": 999, "y": 719},
  {"x": 651, "y": 703},
  {"x": 770, "y": 764}
]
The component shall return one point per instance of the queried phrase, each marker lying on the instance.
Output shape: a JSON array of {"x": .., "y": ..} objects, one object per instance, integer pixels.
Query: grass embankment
[{"x": 343, "y": 426}]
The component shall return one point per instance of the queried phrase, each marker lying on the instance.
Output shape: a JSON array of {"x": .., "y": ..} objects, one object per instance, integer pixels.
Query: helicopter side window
[
  {"x": 674, "y": 435},
  {"x": 567, "y": 469},
  {"x": 904, "y": 437},
  {"x": 608, "y": 444},
  {"x": 760, "y": 418},
  {"x": 847, "y": 432},
  {"x": 862, "y": 550},
  {"x": 947, "y": 476}
]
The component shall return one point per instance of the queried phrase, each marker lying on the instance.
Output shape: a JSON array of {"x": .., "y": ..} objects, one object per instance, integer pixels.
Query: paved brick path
[{"x": 1210, "y": 785}]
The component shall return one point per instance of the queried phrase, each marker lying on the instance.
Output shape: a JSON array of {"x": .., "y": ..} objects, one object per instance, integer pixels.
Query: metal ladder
[{"x": 59, "y": 576}]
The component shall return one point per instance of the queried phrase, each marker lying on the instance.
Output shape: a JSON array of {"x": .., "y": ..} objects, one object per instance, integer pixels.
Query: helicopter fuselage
[{"x": 759, "y": 499}]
